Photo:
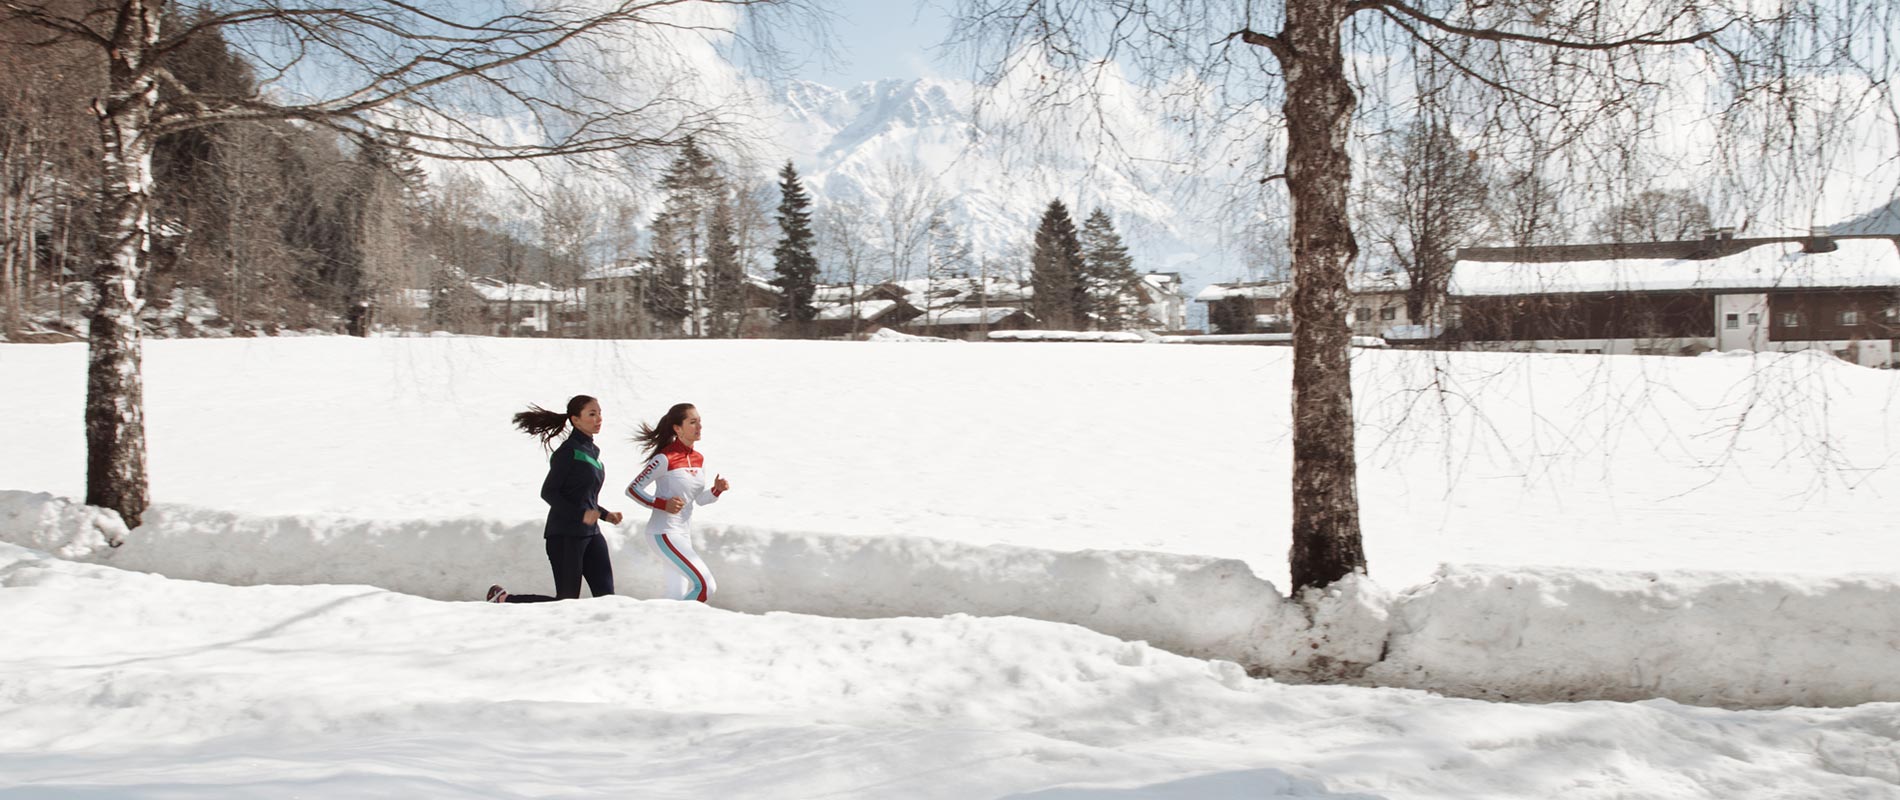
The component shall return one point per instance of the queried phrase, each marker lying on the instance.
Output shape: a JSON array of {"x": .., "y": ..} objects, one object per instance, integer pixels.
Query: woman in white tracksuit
[{"x": 672, "y": 483}]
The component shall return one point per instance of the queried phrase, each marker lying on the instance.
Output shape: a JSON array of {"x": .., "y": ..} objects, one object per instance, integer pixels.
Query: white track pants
[{"x": 687, "y": 577}]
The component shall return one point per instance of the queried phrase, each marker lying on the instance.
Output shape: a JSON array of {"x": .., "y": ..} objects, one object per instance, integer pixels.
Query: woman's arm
[
  {"x": 714, "y": 488},
  {"x": 641, "y": 489}
]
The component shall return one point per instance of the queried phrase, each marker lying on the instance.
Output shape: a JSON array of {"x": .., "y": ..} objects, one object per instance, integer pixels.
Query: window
[
  {"x": 1790, "y": 319},
  {"x": 1365, "y": 314},
  {"x": 1846, "y": 318},
  {"x": 1593, "y": 351},
  {"x": 1754, "y": 318},
  {"x": 1732, "y": 321},
  {"x": 1388, "y": 313}
]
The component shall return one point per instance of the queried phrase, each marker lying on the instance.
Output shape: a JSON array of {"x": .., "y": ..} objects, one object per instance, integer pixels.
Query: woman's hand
[
  {"x": 674, "y": 504},
  {"x": 592, "y": 516},
  {"x": 611, "y": 517},
  {"x": 720, "y": 485}
]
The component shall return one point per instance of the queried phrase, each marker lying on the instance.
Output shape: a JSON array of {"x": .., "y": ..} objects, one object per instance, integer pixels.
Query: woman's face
[
  {"x": 588, "y": 421},
  {"x": 689, "y": 429}
]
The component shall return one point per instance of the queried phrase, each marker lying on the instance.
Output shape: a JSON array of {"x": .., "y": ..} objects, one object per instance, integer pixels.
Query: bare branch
[
  {"x": 38, "y": 15},
  {"x": 1649, "y": 39},
  {"x": 1273, "y": 44}
]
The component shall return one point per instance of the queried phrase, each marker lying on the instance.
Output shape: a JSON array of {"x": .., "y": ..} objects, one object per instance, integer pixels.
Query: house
[
  {"x": 1839, "y": 294},
  {"x": 616, "y": 307},
  {"x": 1165, "y": 301},
  {"x": 529, "y": 309},
  {"x": 858, "y": 317},
  {"x": 1378, "y": 308},
  {"x": 1250, "y": 307},
  {"x": 973, "y": 324}
]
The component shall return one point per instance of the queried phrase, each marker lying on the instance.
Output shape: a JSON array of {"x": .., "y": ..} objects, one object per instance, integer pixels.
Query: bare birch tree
[
  {"x": 909, "y": 198},
  {"x": 427, "y": 74},
  {"x": 1558, "y": 74}
]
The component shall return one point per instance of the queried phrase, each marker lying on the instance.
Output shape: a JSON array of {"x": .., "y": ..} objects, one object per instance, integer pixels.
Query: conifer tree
[
  {"x": 796, "y": 267},
  {"x": 1060, "y": 299},
  {"x": 724, "y": 275},
  {"x": 664, "y": 288},
  {"x": 693, "y": 186},
  {"x": 1109, "y": 274}
]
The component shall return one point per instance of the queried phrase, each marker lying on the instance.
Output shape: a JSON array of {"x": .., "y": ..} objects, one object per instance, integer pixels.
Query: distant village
[{"x": 1838, "y": 294}]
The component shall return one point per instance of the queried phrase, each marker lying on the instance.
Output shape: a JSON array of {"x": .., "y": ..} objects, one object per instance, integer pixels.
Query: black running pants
[{"x": 575, "y": 558}]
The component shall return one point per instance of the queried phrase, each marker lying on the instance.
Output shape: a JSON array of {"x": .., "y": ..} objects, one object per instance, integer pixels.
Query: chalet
[
  {"x": 1839, "y": 294},
  {"x": 969, "y": 323},
  {"x": 516, "y": 309},
  {"x": 1378, "y": 309},
  {"x": 859, "y": 317},
  {"x": 616, "y": 302},
  {"x": 1164, "y": 300},
  {"x": 1250, "y": 307}
]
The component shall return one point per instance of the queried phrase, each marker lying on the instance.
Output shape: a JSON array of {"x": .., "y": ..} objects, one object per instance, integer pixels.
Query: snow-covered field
[{"x": 911, "y": 528}]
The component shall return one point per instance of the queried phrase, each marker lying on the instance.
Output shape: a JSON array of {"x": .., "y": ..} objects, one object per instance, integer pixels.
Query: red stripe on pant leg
[{"x": 689, "y": 565}]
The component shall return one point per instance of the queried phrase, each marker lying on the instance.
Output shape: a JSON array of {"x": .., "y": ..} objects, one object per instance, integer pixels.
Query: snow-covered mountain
[{"x": 878, "y": 145}]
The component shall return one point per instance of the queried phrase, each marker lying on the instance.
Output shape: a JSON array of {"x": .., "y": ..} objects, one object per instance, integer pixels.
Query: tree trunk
[
  {"x": 1319, "y": 108},
  {"x": 16, "y": 221},
  {"x": 115, "y": 405}
]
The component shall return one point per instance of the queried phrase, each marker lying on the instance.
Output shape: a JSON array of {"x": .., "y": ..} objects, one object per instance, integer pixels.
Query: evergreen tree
[
  {"x": 1060, "y": 299},
  {"x": 724, "y": 275},
  {"x": 796, "y": 267},
  {"x": 665, "y": 287},
  {"x": 1114, "y": 289},
  {"x": 693, "y": 186}
]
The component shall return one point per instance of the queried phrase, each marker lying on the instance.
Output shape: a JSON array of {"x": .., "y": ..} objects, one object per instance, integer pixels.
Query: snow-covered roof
[
  {"x": 831, "y": 294},
  {"x": 624, "y": 269},
  {"x": 867, "y": 310},
  {"x": 495, "y": 291},
  {"x": 1165, "y": 282},
  {"x": 1377, "y": 282},
  {"x": 1258, "y": 290},
  {"x": 1776, "y": 265},
  {"x": 964, "y": 316}
]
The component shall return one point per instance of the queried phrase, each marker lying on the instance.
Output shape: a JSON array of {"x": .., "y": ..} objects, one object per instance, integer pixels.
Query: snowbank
[
  {"x": 1200, "y": 606},
  {"x": 1708, "y": 638},
  {"x": 1119, "y": 337},
  {"x": 888, "y": 335},
  {"x": 1518, "y": 633}
]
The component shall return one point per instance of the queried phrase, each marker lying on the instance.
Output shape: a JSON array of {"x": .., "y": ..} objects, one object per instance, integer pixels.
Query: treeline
[
  {"x": 255, "y": 225},
  {"x": 287, "y": 223}
]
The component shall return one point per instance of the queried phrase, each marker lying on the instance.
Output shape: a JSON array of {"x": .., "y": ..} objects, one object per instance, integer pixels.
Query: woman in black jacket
[{"x": 576, "y": 550}]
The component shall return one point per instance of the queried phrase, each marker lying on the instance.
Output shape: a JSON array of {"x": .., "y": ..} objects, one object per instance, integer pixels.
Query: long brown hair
[
  {"x": 544, "y": 424},
  {"x": 660, "y": 436}
]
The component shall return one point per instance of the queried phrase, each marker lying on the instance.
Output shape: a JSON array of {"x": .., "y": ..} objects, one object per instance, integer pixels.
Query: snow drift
[{"x": 1516, "y": 633}]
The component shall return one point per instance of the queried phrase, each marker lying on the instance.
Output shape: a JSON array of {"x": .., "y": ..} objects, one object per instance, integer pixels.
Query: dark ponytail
[
  {"x": 544, "y": 424},
  {"x": 659, "y": 437}
]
